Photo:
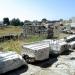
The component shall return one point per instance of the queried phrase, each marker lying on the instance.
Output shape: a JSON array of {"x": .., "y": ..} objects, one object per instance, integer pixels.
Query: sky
[{"x": 37, "y": 9}]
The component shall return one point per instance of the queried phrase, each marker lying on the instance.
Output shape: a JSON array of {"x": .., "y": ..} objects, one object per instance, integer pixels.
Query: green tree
[
  {"x": 27, "y": 21},
  {"x": 21, "y": 23},
  {"x": 6, "y": 21},
  {"x": 15, "y": 22},
  {"x": 44, "y": 20}
]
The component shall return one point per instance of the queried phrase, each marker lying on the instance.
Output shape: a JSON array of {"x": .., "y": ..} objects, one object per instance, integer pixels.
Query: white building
[
  {"x": 73, "y": 19},
  {"x": 1, "y": 23},
  {"x": 73, "y": 23}
]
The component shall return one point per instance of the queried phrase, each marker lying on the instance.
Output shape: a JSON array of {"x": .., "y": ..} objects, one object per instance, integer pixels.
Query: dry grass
[
  {"x": 62, "y": 35},
  {"x": 9, "y": 30},
  {"x": 11, "y": 45},
  {"x": 17, "y": 44}
]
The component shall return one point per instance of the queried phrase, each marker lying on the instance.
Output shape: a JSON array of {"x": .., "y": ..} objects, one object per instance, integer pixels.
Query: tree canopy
[
  {"x": 6, "y": 21},
  {"x": 16, "y": 22}
]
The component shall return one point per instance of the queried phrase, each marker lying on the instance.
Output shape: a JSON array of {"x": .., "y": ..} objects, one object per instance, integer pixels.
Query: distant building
[
  {"x": 73, "y": 19},
  {"x": 1, "y": 23},
  {"x": 72, "y": 24}
]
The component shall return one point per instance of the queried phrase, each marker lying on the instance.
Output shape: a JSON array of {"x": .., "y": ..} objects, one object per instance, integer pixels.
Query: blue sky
[{"x": 37, "y": 9}]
